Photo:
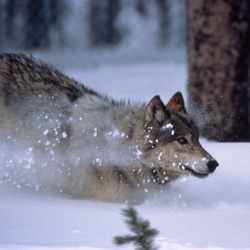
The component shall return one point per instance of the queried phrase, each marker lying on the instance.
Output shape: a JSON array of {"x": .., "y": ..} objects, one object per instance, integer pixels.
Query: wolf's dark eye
[
  {"x": 149, "y": 146},
  {"x": 182, "y": 141}
]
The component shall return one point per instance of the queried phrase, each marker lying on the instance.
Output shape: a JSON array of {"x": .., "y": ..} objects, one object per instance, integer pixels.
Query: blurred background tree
[
  {"x": 103, "y": 22},
  {"x": 218, "y": 67},
  {"x": 31, "y": 24}
]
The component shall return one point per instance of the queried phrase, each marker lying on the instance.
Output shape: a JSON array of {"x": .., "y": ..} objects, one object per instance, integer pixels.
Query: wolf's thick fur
[{"x": 67, "y": 137}]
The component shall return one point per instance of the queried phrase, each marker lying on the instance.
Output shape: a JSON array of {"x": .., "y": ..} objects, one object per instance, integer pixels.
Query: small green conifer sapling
[{"x": 143, "y": 235}]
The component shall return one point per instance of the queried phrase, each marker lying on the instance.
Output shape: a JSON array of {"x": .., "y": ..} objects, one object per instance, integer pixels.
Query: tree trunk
[
  {"x": 37, "y": 26},
  {"x": 102, "y": 21},
  {"x": 164, "y": 21},
  {"x": 218, "y": 58}
]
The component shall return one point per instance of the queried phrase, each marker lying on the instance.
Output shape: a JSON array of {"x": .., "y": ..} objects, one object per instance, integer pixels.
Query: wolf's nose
[{"x": 212, "y": 165}]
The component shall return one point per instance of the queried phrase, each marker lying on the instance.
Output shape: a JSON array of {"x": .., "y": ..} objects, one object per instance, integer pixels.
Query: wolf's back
[{"x": 20, "y": 73}]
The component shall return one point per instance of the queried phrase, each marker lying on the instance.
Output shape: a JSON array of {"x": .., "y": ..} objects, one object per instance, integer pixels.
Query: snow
[{"x": 211, "y": 213}]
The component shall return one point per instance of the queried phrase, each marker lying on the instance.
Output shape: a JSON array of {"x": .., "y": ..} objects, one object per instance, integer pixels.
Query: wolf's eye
[
  {"x": 150, "y": 145},
  {"x": 182, "y": 141}
]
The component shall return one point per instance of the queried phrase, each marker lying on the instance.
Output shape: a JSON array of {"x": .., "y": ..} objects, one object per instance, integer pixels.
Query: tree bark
[{"x": 218, "y": 59}]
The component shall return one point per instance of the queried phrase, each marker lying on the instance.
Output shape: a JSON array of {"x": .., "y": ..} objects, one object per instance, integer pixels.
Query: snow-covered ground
[{"x": 211, "y": 213}]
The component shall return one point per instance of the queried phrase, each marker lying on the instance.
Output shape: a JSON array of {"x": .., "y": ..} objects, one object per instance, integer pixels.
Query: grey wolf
[{"x": 57, "y": 134}]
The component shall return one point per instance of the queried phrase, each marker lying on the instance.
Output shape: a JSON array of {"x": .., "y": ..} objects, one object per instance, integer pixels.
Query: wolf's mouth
[
  {"x": 160, "y": 179},
  {"x": 157, "y": 178},
  {"x": 194, "y": 173}
]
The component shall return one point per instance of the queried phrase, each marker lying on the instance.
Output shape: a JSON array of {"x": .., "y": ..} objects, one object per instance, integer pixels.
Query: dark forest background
[{"x": 46, "y": 24}]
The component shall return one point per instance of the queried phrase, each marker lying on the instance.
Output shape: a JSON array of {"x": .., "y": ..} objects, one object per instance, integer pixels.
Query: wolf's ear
[
  {"x": 177, "y": 102},
  {"x": 156, "y": 110}
]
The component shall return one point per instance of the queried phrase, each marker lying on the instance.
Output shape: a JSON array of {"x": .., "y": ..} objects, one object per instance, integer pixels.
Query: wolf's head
[{"x": 171, "y": 142}]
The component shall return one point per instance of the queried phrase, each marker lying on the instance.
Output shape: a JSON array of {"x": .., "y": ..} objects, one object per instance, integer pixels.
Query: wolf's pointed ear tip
[
  {"x": 155, "y": 100},
  {"x": 178, "y": 95},
  {"x": 156, "y": 97},
  {"x": 177, "y": 102}
]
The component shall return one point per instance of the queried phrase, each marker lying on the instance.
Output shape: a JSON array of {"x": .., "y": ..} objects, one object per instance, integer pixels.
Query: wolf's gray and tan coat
[{"x": 88, "y": 145}]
